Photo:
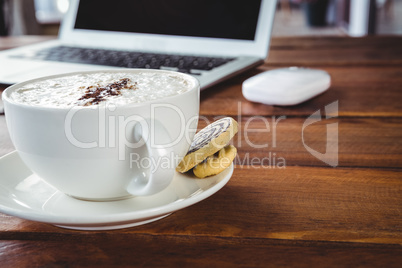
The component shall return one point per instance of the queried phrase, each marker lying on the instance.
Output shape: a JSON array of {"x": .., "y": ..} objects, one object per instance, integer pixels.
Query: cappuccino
[
  {"x": 87, "y": 153},
  {"x": 101, "y": 88}
]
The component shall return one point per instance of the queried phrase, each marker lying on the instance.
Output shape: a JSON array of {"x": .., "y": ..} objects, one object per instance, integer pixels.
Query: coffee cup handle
[{"x": 158, "y": 177}]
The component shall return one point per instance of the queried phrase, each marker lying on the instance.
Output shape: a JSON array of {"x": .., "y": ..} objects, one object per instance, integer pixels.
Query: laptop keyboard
[{"x": 186, "y": 64}]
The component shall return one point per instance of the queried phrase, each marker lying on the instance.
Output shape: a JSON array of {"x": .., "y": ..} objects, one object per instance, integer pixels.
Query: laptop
[{"x": 212, "y": 40}]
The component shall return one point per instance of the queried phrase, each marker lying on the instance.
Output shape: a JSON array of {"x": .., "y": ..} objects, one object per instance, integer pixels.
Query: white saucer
[{"x": 25, "y": 195}]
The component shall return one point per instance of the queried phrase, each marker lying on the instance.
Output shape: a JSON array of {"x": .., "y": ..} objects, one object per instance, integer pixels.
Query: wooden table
[{"x": 303, "y": 212}]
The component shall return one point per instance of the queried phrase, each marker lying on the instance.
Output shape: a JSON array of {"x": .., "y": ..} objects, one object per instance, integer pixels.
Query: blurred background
[{"x": 293, "y": 17}]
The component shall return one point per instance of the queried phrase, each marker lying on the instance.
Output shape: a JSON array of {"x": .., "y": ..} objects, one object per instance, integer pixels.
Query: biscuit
[
  {"x": 216, "y": 163},
  {"x": 207, "y": 142}
]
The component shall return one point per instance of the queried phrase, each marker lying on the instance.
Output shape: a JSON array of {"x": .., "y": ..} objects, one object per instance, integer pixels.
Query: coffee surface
[{"x": 101, "y": 88}]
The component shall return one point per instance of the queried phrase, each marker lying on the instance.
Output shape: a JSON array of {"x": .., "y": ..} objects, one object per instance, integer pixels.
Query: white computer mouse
[{"x": 286, "y": 86}]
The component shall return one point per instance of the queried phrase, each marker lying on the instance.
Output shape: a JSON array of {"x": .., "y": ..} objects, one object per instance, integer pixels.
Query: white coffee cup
[{"x": 105, "y": 152}]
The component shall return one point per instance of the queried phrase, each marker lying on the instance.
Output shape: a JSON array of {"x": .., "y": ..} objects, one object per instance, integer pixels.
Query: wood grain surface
[
  {"x": 356, "y": 88},
  {"x": 282, "y": 206}
]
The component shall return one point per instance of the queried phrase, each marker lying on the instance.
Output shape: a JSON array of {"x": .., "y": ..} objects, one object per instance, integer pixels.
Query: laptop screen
[{"x": 210, "y": 18}]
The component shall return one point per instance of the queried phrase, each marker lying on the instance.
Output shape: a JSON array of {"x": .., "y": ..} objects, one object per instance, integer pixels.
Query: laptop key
[{"x": 128, "y": 59}]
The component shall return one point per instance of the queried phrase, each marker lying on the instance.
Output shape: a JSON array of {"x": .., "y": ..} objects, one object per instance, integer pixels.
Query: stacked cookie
[{"x": 209, "y": 153}]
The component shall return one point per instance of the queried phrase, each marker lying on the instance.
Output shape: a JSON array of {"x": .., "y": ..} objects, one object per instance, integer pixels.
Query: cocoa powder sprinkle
[{"x": 96, "y": 94}]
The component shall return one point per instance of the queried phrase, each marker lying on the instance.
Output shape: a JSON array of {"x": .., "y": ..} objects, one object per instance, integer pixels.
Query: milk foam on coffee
[{"x": 100, "y": 89}]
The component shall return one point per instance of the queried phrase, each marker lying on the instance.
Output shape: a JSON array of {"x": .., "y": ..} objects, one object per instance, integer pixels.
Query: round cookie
[
  {"x": 208, "y": 141},
  {"x": 216, "y": 163}
]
